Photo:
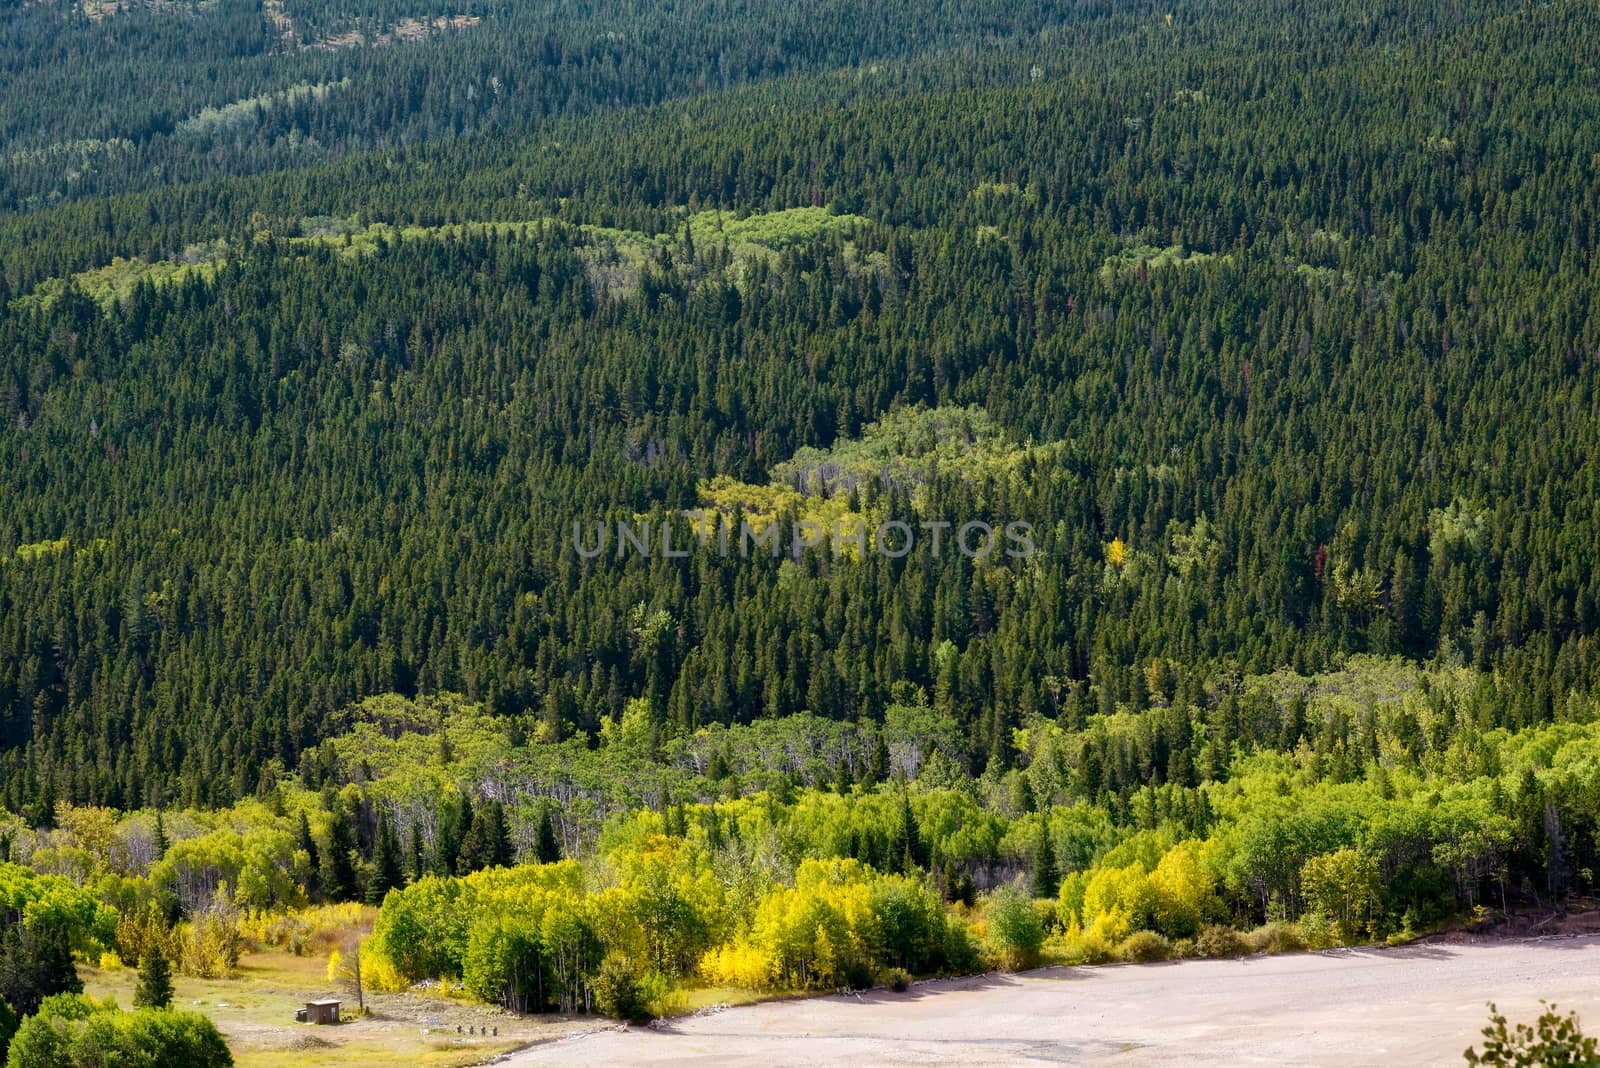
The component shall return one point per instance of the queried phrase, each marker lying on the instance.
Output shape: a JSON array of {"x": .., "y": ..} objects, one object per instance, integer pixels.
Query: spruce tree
[
  {"x": 878, "y": 767},
  {"x": 155, "y": 981},
  {"x": 338, "y": 864},
  {"x": 387, "y": 872},
  {"x": 34, "y": 965},
  {"x": 488, "y": 843},
  {"x": 418, "y": 853},
  {"x": 546, "y": 848},
  {"x": 455, "y": 819},
  {"x": 1046, "y": 876}
]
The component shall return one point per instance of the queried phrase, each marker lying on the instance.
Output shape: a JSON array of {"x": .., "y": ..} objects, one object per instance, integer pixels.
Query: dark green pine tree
[
  {"x": 418, "y": 853},
  {"x": 1046, "y": 876},
  {"x": 906, "y": 851},
  {"x": 488, "y": 842},
  {"x": 546, "y": 847},
  {"x": 338, "y": 861},
  {"x": 387, "y": 873},
  {"x": 842, "y": 779},
  {"x": 308, "y": 845},
  {"x": 34, "y": 965},
  {"x": 878, "y": 766},
  {"x": 155, "y": 982},
  {"x": 502, "y": 853},
  {"x": 455, "y": 816},
  {"x": 162, "y": 843}
]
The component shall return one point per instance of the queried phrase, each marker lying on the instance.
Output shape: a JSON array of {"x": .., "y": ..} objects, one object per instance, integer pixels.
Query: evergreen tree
[
  {"x": 308, "y": 845},
  {"x": 546, "y": 847},
  {"x": 387, "y": 872},
  {"x": 452, "y": 819},
  {"x": 878, "y": 766},
  {"x": 1046, "y": 876},
  {"x": 842, "y": 780},
  {"x": 338, "y": 860},
  {"x": 35, "y": 964},
  {"x": 488, "y": 840},
  {"x": 155, "y": 981},
  {"x": 418, "y": 853}
]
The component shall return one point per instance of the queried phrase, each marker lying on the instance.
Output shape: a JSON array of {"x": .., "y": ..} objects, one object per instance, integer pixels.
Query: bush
[
  {"x": 41, "y": 1042},
  {"x": 961, "y": 956},
  {"x": 1275, "y": 937},
  {"x": 1015, "y": 931},
  {"x": 1319, "y": 931},
  {"x": 86, "y": 1032},
  {"x": 856, "y": 974},
  {"x": 1144, "y": 946},
  {"x": 1554, "y": 1041},
  {"x": 619, "y": 994},
  {"x": 897, "y": 979},
  {"x": 73, "y": 1007},
  {"x": 212, "y": 948},
  {"x": 1216, "y": 940},
  {"x": 739, "y": 964},
  {"x": 1085, "y": 947}
]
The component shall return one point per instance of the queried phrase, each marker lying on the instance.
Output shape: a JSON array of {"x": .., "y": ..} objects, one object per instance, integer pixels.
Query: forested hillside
[{"x": 320, "y": 327}]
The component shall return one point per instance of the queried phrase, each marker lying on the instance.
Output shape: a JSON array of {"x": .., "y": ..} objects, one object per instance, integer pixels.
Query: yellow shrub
[
  {"x": 739, "y": 964},
  {"x": 1117, "y": 902},
  {"x": 378, "y": 973},
  {"x": 110, "y": 962}
]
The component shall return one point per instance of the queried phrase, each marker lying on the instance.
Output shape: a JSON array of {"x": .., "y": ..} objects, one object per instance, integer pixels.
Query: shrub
[
  {"x": 71, "y": 1030},
  {"x": 855, "y": 974},
  {"x": 1085, "y": 947},
  {"x": 1015, "y": 931},
  {"x": 619, "y": 994},
  {"x": 1275, "y": 937},
  {"x": 41, "y": 1042},
  {"x": 140, "y": 933},
  {"x": 212, "y": 948},
  {"x": 961, "y": 955},
  {"x": 110, "y": 962},
  {"x": 1319, "y": 931},
  {"x": 1144, "y": 946},
  {"x": 1553, "y": 1041},
  {"x": 897, "y": 979},
  {"x": 1216, "y": 940},
  {"x": 739, "y": 964},
  {"x": 72, "y": 1007}
]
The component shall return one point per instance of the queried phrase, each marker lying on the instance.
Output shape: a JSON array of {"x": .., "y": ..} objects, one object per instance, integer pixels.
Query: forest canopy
[{"x": 321, "y": 325}]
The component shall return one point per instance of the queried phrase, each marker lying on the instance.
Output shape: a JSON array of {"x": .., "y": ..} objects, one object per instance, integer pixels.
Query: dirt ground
[{"x": 1415, "y": 1005}]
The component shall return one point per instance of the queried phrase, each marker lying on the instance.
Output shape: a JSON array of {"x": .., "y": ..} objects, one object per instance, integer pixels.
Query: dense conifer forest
[{"x": 322, "y": 325}]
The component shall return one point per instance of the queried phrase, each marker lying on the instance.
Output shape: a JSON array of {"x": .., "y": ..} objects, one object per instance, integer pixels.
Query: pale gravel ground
[{"x": 1419, "y": 1005}]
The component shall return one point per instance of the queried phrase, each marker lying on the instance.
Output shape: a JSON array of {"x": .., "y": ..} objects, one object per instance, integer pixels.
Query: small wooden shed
[{"x": 323, "y": 1012}]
